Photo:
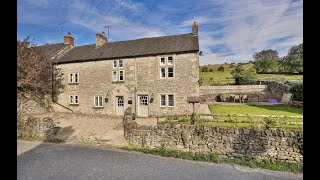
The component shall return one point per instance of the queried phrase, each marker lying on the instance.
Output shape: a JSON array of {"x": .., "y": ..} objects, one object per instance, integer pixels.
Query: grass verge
[
  {"x": 34, "y": 138},
  {"x": 275, "y": 165}
]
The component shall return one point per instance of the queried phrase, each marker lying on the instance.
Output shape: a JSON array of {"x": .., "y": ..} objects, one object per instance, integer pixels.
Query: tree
[
  {"x": 204, "y": 69},
  {"x": 266, "y": 61},
  {"x": 221, "y": 68},
  {"x": 211, "y": 70},
  {"x": 267, "y": 66},
  {"x": 266, "y": 54},
  {"x": 243, "y": 76},
  {"x": 293, "y": 61},
  {"x": 35, "y": 72}
]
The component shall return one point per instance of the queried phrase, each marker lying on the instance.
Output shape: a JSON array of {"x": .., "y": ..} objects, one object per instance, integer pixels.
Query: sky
[{"x": 229, "y": 31}]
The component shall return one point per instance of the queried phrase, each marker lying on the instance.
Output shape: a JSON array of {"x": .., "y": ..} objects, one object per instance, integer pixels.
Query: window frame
[
  {"x": 168, "y": 72},
  {"x": 121, "y": 63},
  {"x": 114, "y": 79},
  {"x": 72, "y": 78},
  {"x": 164, "y": 61},
  {"x": 99, "y": 102},
  {"x": 115, "y": 62},
  {"x": 166, "y": 65},
  {"x": 73, "y": 99},
  {"x": 165, "y": 72},
  {"x": 172, "y": 100},
  {"x": 170, "y": 64},
  {"x": 165, "y": 100},
  {"x": 122, "y": 75}
]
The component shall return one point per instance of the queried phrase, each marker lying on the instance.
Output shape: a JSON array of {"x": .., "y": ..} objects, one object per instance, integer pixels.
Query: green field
[{"x": 217, "y": 78}]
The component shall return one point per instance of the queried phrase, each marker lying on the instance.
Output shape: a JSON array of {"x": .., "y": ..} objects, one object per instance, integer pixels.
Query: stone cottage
[{"x": 154, "y": 76}]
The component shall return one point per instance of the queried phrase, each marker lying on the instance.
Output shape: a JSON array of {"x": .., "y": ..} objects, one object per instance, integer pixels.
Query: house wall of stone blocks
[{"x": 141, "y": 77}]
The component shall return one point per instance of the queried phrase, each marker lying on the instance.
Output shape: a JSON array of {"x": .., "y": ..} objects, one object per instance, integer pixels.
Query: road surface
[{"x": 37, "y": 160}]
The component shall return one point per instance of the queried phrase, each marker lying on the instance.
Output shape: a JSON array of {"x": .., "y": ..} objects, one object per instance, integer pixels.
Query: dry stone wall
[{"x": 232, "y": 142}]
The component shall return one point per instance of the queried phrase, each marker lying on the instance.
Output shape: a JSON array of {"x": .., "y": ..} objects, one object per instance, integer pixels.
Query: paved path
[{"x": 36, "y": 160}]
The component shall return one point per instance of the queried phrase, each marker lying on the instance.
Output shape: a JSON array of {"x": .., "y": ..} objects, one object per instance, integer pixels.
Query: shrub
[
  {"x": 297, "y": 91},
  {"x": 211, "y": 70},
  {"x": 204, "y": 69},
  {"x": 221, "y": 68},
  {"x": 243, "y": 76}
]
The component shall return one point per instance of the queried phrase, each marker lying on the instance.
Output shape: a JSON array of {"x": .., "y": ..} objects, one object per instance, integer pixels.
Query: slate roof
[
  {"x": 133, "y": 48},
  {"x": 50, "y": 49}
]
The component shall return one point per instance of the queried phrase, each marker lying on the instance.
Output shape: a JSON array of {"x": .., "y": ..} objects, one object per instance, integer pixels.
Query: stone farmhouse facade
[{"x": 154, "y": 76}]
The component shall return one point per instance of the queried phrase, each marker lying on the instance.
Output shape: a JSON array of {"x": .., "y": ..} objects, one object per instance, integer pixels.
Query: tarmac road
[{"x": 37, "y": 160}]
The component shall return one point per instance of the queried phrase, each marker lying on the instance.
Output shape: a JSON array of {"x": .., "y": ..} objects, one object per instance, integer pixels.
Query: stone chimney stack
[
  {"x": 68, "y": 39},
  {"x": 101, "y": 39},
  {"x": 195, "y": 28}
]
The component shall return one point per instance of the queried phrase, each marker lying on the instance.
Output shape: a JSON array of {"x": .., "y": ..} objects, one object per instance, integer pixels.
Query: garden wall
[
  {"x": 27, "y": 103},
  {"x": 231, "y": 89},
  {"x": 232, "y": 142}
]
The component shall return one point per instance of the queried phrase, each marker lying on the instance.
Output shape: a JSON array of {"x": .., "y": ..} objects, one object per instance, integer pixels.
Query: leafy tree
[
  {"x": 211, "y": 70},
  {"x": 266, "y": 61},
  {"x": 267, "y": 66},
  {"x": 221, "y": 68},
  {"x": 204, "y": 69},
  {"x": 35, "y": 72},
  {"x": 243, "y": 76},
  {"x": 266, "y": 54},
  {"x": 293, "y": 61}
]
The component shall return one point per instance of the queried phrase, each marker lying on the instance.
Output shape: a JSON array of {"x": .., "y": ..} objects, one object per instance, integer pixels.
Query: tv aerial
[
  {"x": 60, "y": 26},
  {"x": 109, "y": 26}
]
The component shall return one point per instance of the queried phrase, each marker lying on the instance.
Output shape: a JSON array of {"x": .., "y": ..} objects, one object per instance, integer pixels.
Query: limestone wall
[
  {"x": 231, "y": 89},
  {"x": 142, "y": 77},
  {"x": 232, "y": 142}
]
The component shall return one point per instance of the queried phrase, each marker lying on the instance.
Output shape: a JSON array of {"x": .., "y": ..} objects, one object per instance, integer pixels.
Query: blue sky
[{"x": 229, "y": 31}]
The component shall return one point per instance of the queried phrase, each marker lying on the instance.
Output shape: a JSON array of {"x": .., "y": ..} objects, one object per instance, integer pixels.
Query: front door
[
  {"x": 119, "y": 105},
  {"x": 143, "y": 106}
]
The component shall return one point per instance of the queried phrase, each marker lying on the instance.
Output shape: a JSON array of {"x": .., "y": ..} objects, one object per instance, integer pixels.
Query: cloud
[
  {"x": 229, "y": 31},
  {"x": 251, "y": 26}
]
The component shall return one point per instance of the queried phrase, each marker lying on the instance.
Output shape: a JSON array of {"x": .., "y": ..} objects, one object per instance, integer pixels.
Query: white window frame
[
  {"x": 115, "y": 62},
  {"x": 114, "y": 78},
  {"x": 165, "y": 72},
  {"x": 122, "y": 75},
  {"x": 169, "y": 99},
  {"x": 94, "y": 101},
  {"x": 120, "y": 63},
  {"x": 168, "y": 61},
  {"x": 164, "y": 61},
  {"x": 165, "y": 100},
  {"x": 72, "y": 78},
  {"x": 168, "y": 72},
  {"x": 166, "y": 66},
  {"x": 72, "y": 99}
]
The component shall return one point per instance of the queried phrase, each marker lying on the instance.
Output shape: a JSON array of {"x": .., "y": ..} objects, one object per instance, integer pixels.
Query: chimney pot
[
  {"x": 195, "y": 28},
  {"x": 68, "y": 39}
]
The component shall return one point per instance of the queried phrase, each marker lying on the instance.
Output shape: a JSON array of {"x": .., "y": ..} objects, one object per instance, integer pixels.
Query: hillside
[{"x": 216, "y": 78}]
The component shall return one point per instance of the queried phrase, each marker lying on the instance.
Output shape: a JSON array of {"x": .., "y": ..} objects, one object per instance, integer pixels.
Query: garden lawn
[
  {"x": 284, "y": 110},
  {"x": 234, "y": 110}
]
